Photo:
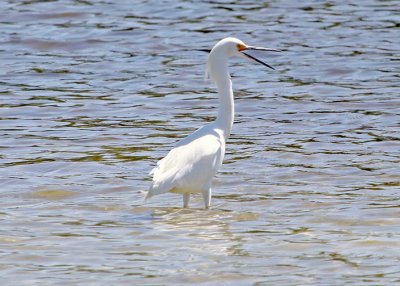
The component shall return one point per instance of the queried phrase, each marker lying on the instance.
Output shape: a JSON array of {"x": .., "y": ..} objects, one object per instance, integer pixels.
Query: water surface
[{"x": 93, "y": 93}]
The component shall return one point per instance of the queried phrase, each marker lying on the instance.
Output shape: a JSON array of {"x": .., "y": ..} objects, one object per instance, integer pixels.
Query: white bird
[{"x": 191, "y": 165}]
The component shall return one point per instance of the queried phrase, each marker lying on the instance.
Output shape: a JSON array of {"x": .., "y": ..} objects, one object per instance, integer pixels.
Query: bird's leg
[
  {"x": 186, "y": 198},
  {"x": 207, "y": 198}
]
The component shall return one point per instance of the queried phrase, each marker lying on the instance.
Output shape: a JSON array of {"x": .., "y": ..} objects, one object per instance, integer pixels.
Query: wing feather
[{"x": 191, "y": 165}]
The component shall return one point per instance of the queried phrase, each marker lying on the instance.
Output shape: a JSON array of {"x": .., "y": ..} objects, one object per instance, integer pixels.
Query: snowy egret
[{"x": 191, "y": 165}]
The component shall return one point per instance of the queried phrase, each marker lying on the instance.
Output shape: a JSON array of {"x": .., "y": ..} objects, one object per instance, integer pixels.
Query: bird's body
[
  {"x": 188, "y": 167},
  {"x": 191, "y": 165}
]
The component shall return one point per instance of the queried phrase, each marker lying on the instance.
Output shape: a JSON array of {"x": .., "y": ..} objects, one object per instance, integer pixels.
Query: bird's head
[
  {"x": 230, "y": 47},
  {"x": 234, "y": 47}
]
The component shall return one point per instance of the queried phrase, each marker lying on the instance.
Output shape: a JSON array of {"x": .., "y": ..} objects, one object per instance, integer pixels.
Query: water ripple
[{"x": 93, "y": 93}]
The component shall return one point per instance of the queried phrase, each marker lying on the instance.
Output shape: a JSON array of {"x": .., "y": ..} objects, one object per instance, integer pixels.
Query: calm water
[{"x": 93, "y": 93}]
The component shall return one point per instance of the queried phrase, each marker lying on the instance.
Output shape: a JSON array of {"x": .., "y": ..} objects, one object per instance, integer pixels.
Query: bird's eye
[{"x": 241, "y": 47}]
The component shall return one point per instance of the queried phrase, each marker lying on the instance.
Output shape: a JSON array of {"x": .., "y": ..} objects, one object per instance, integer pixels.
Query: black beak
[
  {"x": 203, "y": 50},
  {"x": 258, "y": 49}
]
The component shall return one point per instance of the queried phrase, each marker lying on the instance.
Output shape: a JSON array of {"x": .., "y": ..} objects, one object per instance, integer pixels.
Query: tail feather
[
  {"x": 158, "y": 188},
  {"x": 163, "y": 177},
  {"x": 148, "y": 195}
]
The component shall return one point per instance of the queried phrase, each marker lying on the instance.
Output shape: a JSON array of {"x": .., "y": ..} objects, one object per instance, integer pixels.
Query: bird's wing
[{"x": 193, "y": 163}]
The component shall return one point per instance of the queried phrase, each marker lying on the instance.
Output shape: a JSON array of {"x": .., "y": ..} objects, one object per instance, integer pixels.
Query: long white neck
[{"x": 218, "y": 70}]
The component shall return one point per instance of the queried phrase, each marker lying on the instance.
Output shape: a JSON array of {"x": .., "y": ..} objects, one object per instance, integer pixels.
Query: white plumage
[{"x": 191, "y": 165}]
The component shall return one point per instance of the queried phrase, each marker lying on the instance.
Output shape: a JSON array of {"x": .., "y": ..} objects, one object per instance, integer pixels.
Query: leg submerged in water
[
  {"x": 207, "y": 198},
  {"x": 186, "y": 198}
]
